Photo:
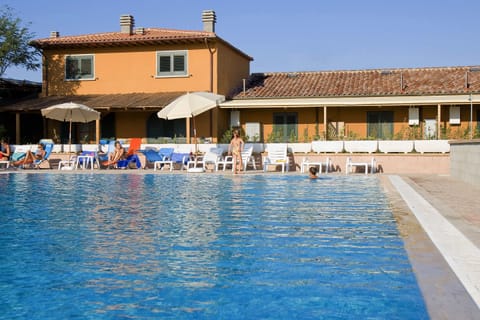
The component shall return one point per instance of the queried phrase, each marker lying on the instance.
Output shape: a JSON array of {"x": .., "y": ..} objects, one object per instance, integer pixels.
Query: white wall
[{"x": 465, "y": 161}]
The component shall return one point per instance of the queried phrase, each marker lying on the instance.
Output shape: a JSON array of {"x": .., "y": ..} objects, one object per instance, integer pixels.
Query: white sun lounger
[
  {"x": 306, "y": 164},
  {"x": 367, "y": 165},
  {"x": 277, "y": 156}
]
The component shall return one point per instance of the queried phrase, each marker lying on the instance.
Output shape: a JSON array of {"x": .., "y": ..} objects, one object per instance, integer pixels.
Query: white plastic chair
[
  {"x": 367, "y": 165},
  {"x": 212, "y": 156},
  {"x": 277, "y": 156},
  {"x": 306, "y": 164},
  {"x": 246, "y": 155}
]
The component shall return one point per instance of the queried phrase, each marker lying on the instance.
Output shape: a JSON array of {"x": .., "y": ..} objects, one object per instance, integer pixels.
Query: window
[
  {"x": 380, "y": 124},
  {"x": 171, "y": 63},
  {"x": 160, "y": 130},
  {"x": 79, "y": 67},
  {"x": 285, "y": 127},
  {"x": 413, "y": 116},
  {"x": 454, "y": 115}
]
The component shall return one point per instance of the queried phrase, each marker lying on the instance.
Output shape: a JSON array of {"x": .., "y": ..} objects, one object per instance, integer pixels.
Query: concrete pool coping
[
  {"x": 440, "y": 197},
  {"x": 438, "y": 219}
]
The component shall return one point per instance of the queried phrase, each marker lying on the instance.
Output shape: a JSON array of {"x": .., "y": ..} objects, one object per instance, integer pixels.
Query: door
[
  {"x": 285, "y": 127},
  {"x": 477, "y": 132},
  {"x": 380, "y": 124}
]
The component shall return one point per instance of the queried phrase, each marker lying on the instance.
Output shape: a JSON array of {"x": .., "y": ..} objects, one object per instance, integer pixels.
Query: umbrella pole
[
  {"x": 70, "y": 136},
  {"x": 195, "y": 136}
]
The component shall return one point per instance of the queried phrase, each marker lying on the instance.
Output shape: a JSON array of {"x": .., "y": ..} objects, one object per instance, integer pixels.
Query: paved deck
[{"x": 439, "y": 218}]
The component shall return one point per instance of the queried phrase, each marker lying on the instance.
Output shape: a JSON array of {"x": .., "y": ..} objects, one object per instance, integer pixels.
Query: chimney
[
  {"x": 209, "y": 18},
  {"x": 140, "y": 30},
  {"x": 126, "y": 24},
  {"x": 54, "y": 34}
]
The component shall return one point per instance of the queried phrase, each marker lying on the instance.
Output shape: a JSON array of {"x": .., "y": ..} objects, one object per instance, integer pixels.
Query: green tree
[{"x": 14, "y": 47}]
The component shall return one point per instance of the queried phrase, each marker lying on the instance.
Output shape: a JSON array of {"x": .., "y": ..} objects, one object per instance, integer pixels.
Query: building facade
[
  {"x": 130, "y": 75},
  {"x": 403, "y": 104}
]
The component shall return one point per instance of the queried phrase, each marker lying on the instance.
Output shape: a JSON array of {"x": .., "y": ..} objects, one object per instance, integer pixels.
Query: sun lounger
[
  {"x": 161, "y": 158},
  {"x": 277, "y": 156},
  {"x": 306, "y": 164},
  {"x": 180, "y": 159},
  {"x": 131, "y": 159},
  {"x": 212, "y": 156},
  {"x": 85, "y": 160},
  {"x": 103, "y": 158},
  {"x": 20, "y": 152},
  {"x": 67, "y": 164},
  {"x": 367, "y": 165},
  {"x": 37, "y": 164},
  {"x": 247, "y": 158}
]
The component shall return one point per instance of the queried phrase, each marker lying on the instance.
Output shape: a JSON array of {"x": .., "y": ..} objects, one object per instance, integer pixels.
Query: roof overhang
[
  {"x": 100, "y": 102},
  {"x": 351, "y": 101}
]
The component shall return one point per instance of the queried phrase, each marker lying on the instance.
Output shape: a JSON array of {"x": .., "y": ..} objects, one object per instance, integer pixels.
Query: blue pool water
[{"x": 144, "y": 246}]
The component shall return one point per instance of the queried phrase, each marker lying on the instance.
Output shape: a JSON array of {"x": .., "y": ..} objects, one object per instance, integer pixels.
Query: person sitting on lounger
[
  {"x": 117, "y": 154},
  {"x": 235, "y": 149},
  {"x": 30, "y": 157},
  {"x": 5, "y": 151}
]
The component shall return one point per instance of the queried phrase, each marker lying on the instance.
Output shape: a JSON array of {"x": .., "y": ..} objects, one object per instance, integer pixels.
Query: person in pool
[
  {"x": 30, "y": 157},
  {"x": 312, "y": 173},
  {"x": 235, "y": 149}
]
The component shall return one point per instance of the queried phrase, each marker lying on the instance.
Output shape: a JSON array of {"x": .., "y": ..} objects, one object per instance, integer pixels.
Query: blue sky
[{"x": 301, "y": 35}]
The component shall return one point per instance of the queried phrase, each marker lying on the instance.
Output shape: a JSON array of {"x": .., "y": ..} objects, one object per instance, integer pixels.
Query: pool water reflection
[{"x": 172, "y": 246}]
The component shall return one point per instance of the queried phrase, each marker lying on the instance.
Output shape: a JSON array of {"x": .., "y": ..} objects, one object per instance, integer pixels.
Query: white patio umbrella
[
  {"x": 189, "y": 105},
  {"x": 72, "y": 112}
]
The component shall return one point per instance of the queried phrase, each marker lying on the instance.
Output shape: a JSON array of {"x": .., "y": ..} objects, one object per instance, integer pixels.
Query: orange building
[
  {"x": 131, "y": 74},
  {"x": 403, "y": 104}
]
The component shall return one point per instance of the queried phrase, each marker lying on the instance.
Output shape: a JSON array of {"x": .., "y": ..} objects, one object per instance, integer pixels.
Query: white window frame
[
  {"x": 171, "y": 54},
  {"x": 79, "y": 56}
]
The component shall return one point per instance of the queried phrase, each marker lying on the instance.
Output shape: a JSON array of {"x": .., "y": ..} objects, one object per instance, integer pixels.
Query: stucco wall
[
  {"x": 465, "y": 161},
  {"x": 128, "y": 70}
]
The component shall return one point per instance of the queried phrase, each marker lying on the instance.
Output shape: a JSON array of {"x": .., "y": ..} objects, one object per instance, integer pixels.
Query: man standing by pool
[{"x": 235, "y": 149}]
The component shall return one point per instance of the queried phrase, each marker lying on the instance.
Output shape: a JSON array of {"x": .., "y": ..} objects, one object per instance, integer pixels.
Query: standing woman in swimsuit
[{"x": 235, "y": 149}]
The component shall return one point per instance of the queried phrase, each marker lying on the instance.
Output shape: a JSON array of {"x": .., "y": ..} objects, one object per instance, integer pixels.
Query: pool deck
[{"x": 439, "y": 219}]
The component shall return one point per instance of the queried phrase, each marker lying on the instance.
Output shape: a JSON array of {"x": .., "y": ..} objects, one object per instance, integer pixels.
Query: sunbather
[
  {"x": 117, "y": 154},
  {"x": 5, "y": 151},
  {"x": 30, "y": 157}
]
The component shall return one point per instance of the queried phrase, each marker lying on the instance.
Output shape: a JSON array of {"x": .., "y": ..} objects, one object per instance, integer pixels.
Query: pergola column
[
  {"x": 97, "y": 131},
  {"x": 325, "y": 122},
  {"x": 17, "y": 128},
  {"x": 188, "y": 129},
  {"x": 439, "y": 119}
]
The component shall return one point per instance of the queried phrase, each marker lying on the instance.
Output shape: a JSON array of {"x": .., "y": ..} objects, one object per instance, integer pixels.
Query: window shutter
[
  {"x": 178, "y": 63},
  {"x": 164, "y": 64}
]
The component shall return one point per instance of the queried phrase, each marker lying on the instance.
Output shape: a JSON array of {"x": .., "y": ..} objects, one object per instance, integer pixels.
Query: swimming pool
[{"x": 174, "y": 246}]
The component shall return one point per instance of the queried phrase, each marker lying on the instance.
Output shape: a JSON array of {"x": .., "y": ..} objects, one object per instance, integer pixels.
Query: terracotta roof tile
[
  {"x": 379, "y": 82},
  {"x": 149, "y": 36}
]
